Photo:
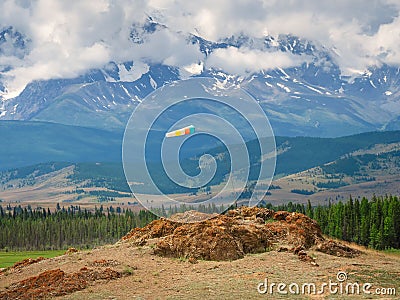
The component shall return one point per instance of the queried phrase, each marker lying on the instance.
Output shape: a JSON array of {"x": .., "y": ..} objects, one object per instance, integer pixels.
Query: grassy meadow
[{"x": 7, "y": 259}]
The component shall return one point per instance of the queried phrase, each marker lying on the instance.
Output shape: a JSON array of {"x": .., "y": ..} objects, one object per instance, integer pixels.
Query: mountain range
[{"x": 312, "y": 99}]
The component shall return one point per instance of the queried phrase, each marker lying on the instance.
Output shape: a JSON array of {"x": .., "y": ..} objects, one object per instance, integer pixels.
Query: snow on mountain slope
[
  {"x": 89, "y": 100},
  {"x": 310, "y": 99}
]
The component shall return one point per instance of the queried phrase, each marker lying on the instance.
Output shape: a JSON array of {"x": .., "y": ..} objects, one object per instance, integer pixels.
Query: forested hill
[
  {"x": 96, "y": 161},
  {"x": 28, "y": 143},
  {"x": 301, "y": 153}
]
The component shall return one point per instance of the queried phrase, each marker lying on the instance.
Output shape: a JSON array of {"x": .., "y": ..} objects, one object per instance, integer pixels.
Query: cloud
[
  {"x": 67, "y": 38},
  {"x": 166, "y": 47},
  {"x": 244, "y": 61},
  {"x": 359, "y": 31}
]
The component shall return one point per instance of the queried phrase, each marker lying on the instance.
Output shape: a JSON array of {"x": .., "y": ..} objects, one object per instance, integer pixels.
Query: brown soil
[
  {"x": 191, "y": 217},
  {"x": 220, "y": 238},
  {"x": 21, "y": 264},
  {"x": 155, "y": 229},
  {"x": 334, "y": 248},
  {"x": 56, "y": 283},
  {"x": 104, "y": 263},
  {"x": 290, "y": 246},
  {"x": 71, "y": 250},
  {"x": 231, "y": 236}
]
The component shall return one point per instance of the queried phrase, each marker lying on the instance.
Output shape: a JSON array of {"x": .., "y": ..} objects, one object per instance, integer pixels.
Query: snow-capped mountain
[
  {"x": 311, "y": 99},
  {"x": 94, "y": 100}
]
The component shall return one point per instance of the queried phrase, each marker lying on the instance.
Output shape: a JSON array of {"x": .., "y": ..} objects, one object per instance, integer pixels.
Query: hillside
[
  {"x": 322, "y": 167},
  {"x": 29, "y": 143},
  {"x": 138, "y": 267},
  {"x": 85, "y": 184},
  {"x": 373, "y": 170},
  {"x": 40, "y": 142},
  {"x": 301, "y": 153}
]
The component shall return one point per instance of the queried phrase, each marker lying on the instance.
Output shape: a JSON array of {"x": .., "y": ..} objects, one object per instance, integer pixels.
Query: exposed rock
[{"x": 27, "y": 262}]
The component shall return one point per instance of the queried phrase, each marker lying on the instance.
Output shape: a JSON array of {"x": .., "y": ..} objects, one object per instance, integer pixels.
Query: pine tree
[
  {"x": 373, "y": 237},
  {"x": 357, "y": 221},
  {"x": 365, "y": 222},
  {"x": 309, "y": 210}
]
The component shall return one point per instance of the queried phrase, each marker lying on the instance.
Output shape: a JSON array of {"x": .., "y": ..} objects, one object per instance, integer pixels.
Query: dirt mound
[
  {"x": 191, "y": 216},
  {"x": 56, "y": 282},
  {"x": 294, "y": 229},
  {"x": 27, "y": 262},
  {"x": 71, "y": 250},
  {"x": 241, "y": 231},
  {"x": 251, "y": 213},
  {"x": 155, "y": 229},
  {"x": 334, "y": 248},
  {"x": 231, "y": 236},
  {"x": 23, "y": 263},
  {"x": 221, "y": 238}
]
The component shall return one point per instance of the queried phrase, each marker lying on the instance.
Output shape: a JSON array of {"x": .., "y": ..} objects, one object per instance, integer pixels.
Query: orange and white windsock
[{"x": 183, "y": 131}]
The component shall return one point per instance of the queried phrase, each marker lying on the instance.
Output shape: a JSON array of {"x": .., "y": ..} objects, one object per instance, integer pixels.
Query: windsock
[{"x": 182, "y": 131}]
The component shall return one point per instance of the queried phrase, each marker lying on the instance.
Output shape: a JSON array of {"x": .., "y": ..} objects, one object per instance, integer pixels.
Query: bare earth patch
[{"x": 142, "y": 274}]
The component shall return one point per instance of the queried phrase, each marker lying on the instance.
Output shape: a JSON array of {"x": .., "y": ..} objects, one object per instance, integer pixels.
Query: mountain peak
[{"x": 319, "y": 100}]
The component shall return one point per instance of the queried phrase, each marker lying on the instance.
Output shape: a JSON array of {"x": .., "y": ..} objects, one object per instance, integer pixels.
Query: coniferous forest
[
  {"x": 41, "y": 229},
  {"x": 374, "y": 223}
]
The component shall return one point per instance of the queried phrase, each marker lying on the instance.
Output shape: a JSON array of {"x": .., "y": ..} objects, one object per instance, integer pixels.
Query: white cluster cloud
[
  {"x": 66, "y": 38},
  {"x": 244, "y": 61}
]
